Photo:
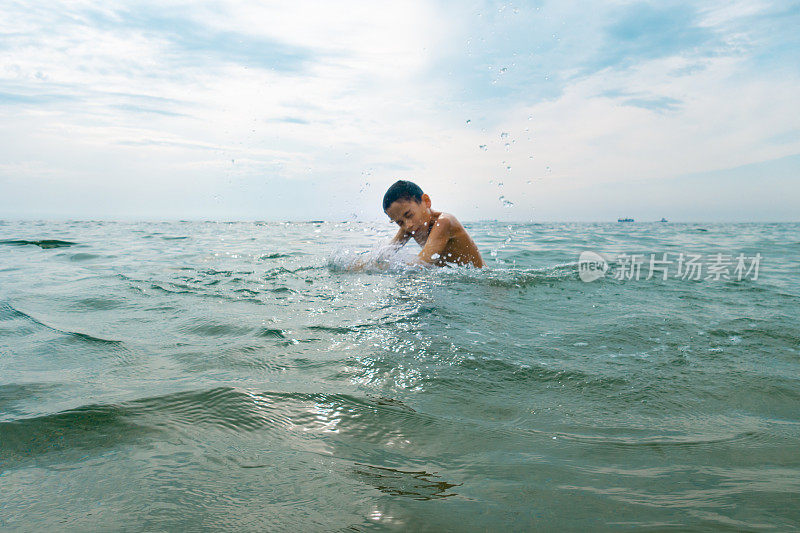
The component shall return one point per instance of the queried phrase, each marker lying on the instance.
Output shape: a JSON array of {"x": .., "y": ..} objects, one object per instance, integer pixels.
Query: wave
[
  {"x": 44, "y": 244},
  {"x": 758, "y": 331},
  {"x": 11, "y": 394},
  {"x": 285, "y": 415},
  {"x": 203, "y": 290},
  {"x": 500, "y": 370},
  {"x": 271, "y": 333},
  {"x": 279, "y": 271},
  {"x": 339, "y": 329},
  {"x": 71, "y": 432},
  {"x": 678, "y": 439},
  {"x": 8, "y": 312}
]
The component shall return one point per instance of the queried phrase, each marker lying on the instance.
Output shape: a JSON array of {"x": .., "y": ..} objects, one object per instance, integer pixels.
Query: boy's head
[
  {"x": 402, "y": 190},
  {"x": 408, "y": 207}
]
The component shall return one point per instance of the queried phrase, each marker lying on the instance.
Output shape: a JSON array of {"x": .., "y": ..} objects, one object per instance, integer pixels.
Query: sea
[{"x": 243, "y": 376}]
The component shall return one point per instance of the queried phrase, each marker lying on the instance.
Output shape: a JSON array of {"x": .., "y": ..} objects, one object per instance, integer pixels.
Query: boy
[{"x": 442, "y": 237}]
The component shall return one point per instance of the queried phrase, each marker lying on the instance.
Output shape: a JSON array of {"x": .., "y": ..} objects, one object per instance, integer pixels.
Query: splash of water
[{"x": 384, "y": 257}]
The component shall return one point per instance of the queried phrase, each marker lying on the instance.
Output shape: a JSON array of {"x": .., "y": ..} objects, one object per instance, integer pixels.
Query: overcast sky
[{"x": 538, "y": 111}]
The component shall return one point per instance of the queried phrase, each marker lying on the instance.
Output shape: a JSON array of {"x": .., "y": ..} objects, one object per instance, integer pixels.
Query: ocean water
[{"x": 190, "y": 376}]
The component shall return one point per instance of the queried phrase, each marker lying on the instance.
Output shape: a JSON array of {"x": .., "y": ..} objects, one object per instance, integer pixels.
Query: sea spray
[{"x": 383, "y": 257}]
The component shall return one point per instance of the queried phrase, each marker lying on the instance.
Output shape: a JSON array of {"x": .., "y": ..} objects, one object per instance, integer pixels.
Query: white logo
[{"x": 591, "y": 266}]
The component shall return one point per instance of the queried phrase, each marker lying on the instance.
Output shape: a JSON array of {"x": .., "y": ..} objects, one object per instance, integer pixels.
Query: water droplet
[
  {"x": 503, "y": 69},
  {"x": 469, "y": 121},
  {"x": 504, "y": 135},
  {"x": 483, "y": 147},
  {"x": 493, "y": 253},
  {"x": 506, "y": 203}
]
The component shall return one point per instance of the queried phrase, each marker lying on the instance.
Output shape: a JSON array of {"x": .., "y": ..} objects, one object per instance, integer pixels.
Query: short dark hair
[{"x": 402, "y": 190}]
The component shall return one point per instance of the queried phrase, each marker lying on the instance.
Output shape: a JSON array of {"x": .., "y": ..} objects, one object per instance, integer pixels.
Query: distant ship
[
  {"x": 624, "y": 220},
  {"x": 663, "y": 220}
]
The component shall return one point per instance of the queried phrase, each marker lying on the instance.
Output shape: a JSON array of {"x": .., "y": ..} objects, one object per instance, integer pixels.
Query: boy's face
[{"x": 414, "y": 217}]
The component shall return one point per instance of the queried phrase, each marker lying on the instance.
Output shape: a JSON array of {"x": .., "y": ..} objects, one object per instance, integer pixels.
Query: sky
[{"x": 521, "y": 111}]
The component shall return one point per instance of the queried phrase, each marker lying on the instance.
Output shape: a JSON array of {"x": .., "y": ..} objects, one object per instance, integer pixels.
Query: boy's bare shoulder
[
  {"x": 461, "y": 248},
  {"x": 450, "y": 222}
]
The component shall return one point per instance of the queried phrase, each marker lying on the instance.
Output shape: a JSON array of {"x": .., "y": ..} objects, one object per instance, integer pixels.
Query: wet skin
[{"x": 442, "y": 237}]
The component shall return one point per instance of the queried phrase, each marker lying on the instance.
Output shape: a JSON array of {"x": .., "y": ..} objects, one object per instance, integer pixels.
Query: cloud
[
  {"x": 643, "y": 31},
  {"x": 217, "y": 102}
]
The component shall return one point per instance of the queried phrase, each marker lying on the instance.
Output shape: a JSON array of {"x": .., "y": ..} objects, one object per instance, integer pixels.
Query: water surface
[{"x": 206, "y": 376}]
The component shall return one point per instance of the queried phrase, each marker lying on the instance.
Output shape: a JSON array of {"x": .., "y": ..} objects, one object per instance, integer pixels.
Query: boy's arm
[{"x": 437, "y": 241}]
